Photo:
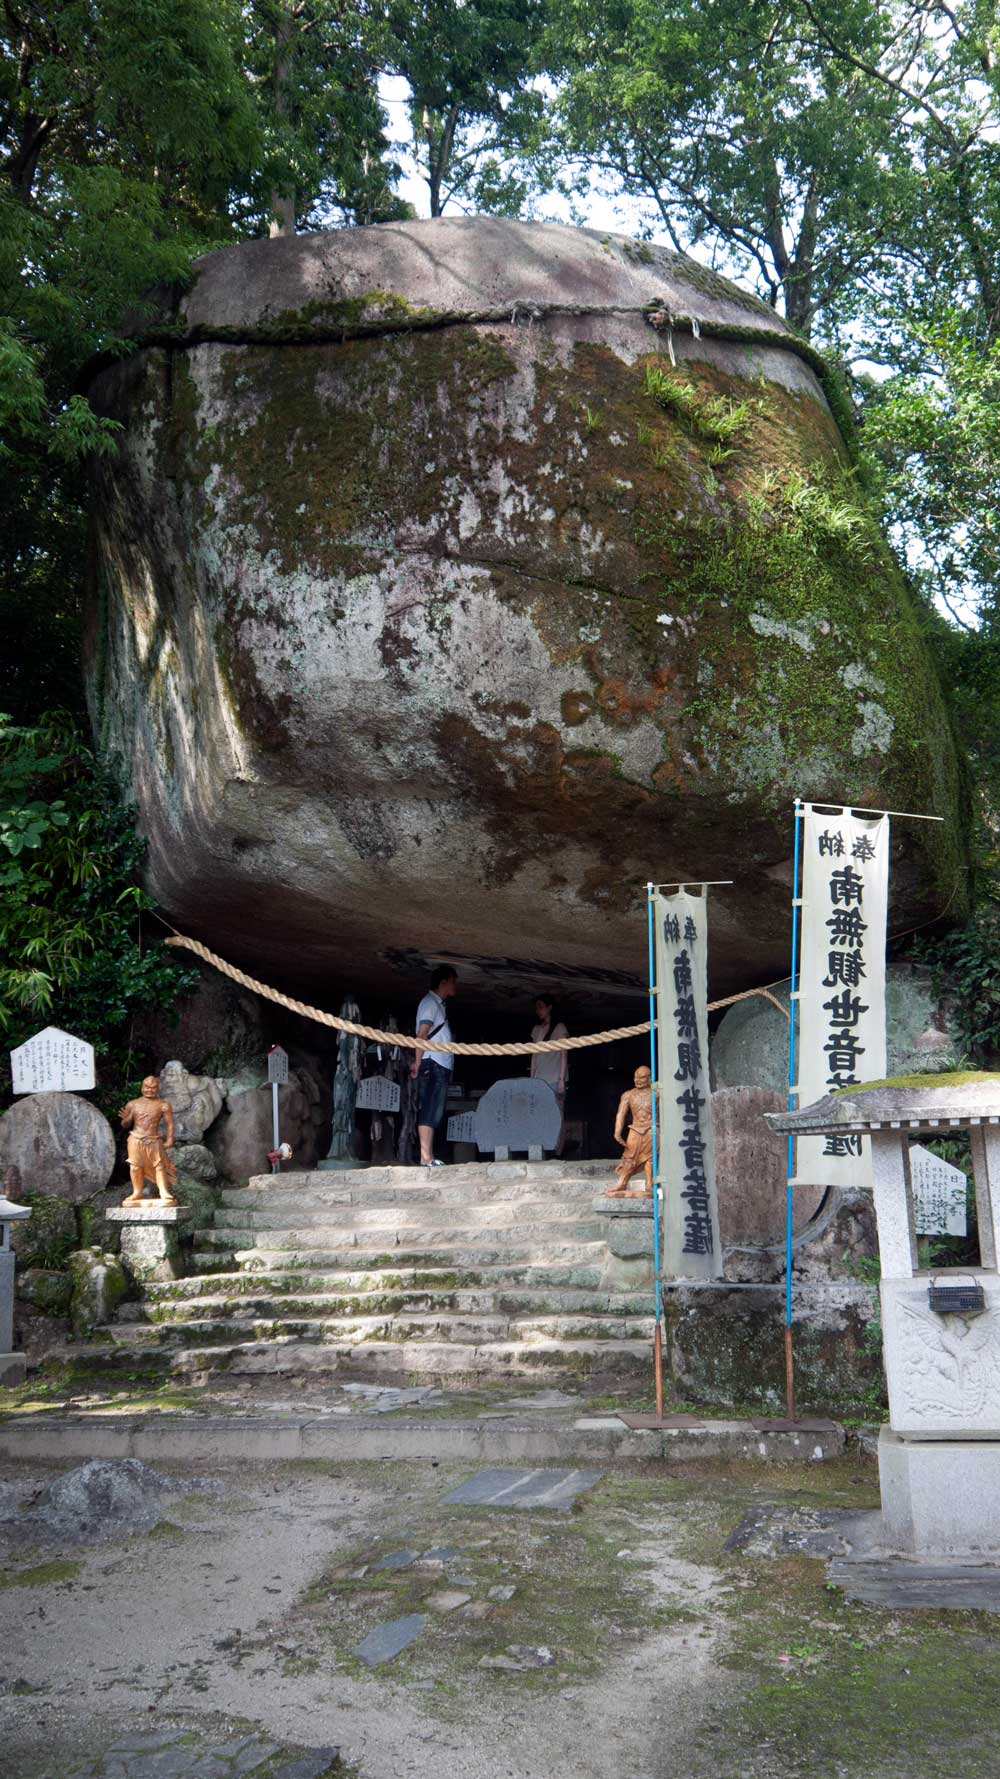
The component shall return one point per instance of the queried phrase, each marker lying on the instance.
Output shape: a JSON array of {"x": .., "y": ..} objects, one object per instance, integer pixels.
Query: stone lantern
[
  {"x": 939, "y": 1457},
  {"x": 12, "y": 1365}
]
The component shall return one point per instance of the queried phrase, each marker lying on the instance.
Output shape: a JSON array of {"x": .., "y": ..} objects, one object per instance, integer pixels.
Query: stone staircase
[{"x": 461, "y": 1274}]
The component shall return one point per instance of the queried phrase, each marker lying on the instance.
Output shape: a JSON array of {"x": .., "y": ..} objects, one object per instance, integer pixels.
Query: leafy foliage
[
  {"x": 473, "y": 111},
  {"x": 966, "y": 965},
  {"x": 72, "y": 947}
]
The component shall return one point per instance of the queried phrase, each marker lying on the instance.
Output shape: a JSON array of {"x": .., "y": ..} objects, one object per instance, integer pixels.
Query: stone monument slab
[
  {"x": 52, "y": 1062},
  {"x": 62, "y": 1145},
  {"x": 751, "y": 1171},
  {"x": 518, "y": 1114}
]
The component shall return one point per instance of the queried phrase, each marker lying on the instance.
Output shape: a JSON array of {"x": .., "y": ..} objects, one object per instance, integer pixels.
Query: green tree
[
  {"x": 313, "y": 66},
  {"x": 738, "y": 134},
  {"x": 123, "y": 125},
  {"x": 72, "y": 946},
  {"x": 472, "y": 109}
]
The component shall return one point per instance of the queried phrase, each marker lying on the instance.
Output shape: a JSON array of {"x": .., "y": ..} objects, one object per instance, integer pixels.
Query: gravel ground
[{"x": 214, "y": 1618}]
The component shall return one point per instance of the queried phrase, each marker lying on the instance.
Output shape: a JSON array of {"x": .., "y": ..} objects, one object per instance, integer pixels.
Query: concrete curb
[{"x": 591, "y": 1438}]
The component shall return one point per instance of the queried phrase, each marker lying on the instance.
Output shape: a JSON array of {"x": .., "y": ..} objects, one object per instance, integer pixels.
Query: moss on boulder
[{"x": 463, "y": 576}]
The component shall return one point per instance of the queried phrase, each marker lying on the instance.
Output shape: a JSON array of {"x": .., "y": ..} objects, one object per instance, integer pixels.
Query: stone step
[
  {"x": 504, "y": 1173},
  {"x": 434, "y": 1188},
  {"x": 453, "y": 1221},
  {"x": 434, "y": 1361},
  {"x": 348, "y": 1281},
  {"x": 466, "y": 1301},
  {"x": 466, "y": 1330},
  {"x": 308, "y": 1248}
]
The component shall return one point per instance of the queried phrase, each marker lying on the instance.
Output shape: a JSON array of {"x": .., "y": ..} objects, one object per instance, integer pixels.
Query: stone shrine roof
[{"x": 913, "y": 1102}]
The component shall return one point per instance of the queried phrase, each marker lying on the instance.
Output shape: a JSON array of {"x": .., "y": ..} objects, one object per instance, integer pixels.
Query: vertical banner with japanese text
[
  {"x": 692, "y": 1247},
  {"x": 845, "y": 879}
]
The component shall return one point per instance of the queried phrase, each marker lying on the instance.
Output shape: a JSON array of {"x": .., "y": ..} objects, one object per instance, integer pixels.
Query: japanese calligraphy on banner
[
  {"x": 845, "y": 877},
  {"x": 691, "y": 1244}
]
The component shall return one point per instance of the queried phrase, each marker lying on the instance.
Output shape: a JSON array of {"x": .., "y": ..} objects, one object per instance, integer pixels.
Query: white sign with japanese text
[
  {"x": 692, "y": 1246},
  {"x": 939, "y": 1193},
  {"x": 52, "y": 1062},
  {"x": 841, "y": 1024},
  {"x": 462, "y": 1127},
  {"x": 277, "y": 1066},
  {"x": 376, "y": 1093}
]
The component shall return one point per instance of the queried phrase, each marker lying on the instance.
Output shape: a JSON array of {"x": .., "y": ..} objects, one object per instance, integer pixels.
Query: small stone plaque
[
  {"x": 52, "y": 1062},
  {"x": 523, "y": 1488},
  {"x": 277, "y": 1066},
  {"x": 376, "y": 1093},
  {"x": 939, "y": 1193},
  {"x": 462, "y": 1127}
]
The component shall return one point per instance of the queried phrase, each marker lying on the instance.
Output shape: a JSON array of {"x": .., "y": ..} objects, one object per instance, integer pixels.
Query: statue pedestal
[
  {"x": 330, "y": 1165},
  {"x": 150, "y": 1246},
  {"x": 629, "y": 1235}
]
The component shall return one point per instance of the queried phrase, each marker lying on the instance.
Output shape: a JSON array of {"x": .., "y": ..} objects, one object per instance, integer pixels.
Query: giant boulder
[{"x": 455, "y": 578}]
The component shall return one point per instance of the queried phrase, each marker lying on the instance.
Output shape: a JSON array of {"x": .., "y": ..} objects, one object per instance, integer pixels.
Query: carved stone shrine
[{"x": 939, "y": 1457}]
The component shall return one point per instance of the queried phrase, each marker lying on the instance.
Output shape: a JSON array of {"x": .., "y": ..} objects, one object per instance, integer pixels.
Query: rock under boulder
[
  {"x": 750, "y": 1048},
  {"x": 433, "y": 612},
  {"x": 242, "y": 1137},
  {"x": 196, "y": 1101},
  {"x": 99, "y": 1284},
  {"x": 61, "y": 1144}
]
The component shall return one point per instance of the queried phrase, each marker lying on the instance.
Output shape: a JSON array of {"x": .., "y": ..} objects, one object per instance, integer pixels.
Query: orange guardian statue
[
  {"x": 636, "y": 1104},
  {"x": 147, "y": 1150}
]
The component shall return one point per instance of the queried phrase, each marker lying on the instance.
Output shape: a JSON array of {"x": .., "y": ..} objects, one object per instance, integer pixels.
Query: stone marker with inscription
[
  {"x": 939, "y": 1194},
  {"x": 376, "y": 1093},
  {"x": 52, "y": 1062},
  {"x": 462, "y": 1127},
  {"x": 518, "y": 1114}
]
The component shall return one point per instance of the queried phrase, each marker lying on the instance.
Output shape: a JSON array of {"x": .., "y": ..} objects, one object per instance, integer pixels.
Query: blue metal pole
[
  {"x": 652, "y": 1060},
  {"x": 790, "y": 1155},
  {"x": 658, "y": 1300}
]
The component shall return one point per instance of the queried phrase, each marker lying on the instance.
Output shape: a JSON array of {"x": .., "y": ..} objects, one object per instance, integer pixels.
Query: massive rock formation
[{"x": 455, "y": 578}]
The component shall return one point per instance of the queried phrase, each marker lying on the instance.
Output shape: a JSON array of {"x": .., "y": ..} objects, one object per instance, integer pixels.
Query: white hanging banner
[
  {"x": 841, "y": 1042},
  {"x": 692, "y": 1248}
]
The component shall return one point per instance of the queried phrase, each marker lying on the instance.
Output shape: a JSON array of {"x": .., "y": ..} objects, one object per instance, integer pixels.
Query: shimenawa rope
[{"x": 403, "y": 1041}]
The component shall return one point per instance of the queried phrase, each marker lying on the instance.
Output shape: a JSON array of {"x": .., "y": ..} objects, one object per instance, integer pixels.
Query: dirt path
[{"x": 658, "y": 1652}]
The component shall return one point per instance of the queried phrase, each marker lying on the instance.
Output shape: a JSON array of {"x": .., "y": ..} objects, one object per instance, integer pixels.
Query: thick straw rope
[{"x": 403, "y": 1041}]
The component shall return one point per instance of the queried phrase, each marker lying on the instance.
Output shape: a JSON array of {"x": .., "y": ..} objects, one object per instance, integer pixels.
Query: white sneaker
[{"x": 432, "y": 1164}]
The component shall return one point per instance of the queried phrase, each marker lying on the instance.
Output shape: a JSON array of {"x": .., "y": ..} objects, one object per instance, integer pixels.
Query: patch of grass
[
  {"x": 717, "y": 418},
  {"x": 41, "y": 1575}
]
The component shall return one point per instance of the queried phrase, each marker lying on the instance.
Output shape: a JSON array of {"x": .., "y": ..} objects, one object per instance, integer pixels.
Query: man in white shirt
[{"x": 432, "y": 1072}]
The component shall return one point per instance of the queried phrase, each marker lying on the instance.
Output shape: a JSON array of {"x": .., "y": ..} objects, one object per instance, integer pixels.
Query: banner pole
[
  {"x": 658, "y": 1301},
  {"x": 790, "y": 1153}
]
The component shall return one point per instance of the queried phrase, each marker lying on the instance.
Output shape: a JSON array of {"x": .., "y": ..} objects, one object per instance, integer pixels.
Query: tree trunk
[
  {"x": 282, "y": 216},
  {"x": 282, "y": 219}
]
